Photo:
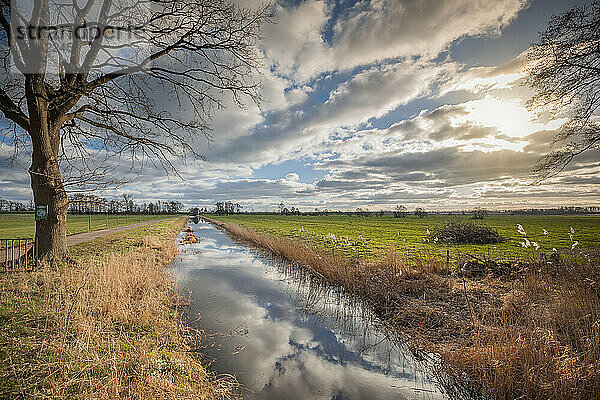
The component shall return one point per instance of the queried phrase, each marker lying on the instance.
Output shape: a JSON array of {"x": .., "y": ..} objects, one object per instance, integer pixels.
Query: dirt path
[{"x": 87, "y": 236}]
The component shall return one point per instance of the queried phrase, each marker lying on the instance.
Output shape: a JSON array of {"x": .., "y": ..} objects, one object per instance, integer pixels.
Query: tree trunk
[
  {"x": 46, "y": 180},
  {"x": 51, "y": 233}
]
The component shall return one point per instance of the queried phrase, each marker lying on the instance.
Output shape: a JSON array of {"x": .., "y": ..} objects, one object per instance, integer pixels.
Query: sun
[{"x": 509, "y": 117}]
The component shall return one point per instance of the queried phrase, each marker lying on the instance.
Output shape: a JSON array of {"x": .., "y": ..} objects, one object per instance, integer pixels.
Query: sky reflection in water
[{"x": 282, "y": 338}]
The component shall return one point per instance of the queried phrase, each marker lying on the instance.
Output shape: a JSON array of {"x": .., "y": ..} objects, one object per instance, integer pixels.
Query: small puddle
[{"x": 285, "y": 338}]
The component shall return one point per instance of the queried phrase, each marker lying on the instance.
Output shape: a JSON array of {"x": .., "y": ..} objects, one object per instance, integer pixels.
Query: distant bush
[
  {"x": 467, "y": 233},
  {"x": 478, "y": 213}
]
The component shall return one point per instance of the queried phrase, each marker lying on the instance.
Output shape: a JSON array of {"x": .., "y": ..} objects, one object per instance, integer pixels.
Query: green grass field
[
  {"x": 362, "y": 236},
  {"x": 23, "y": 225}
]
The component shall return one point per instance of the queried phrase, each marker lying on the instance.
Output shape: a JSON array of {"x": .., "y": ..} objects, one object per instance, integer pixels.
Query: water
[{"x": 285, "y": 338}]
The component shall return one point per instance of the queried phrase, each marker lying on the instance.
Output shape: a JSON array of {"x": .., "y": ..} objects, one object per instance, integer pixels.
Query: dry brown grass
[
  {"x": 104, "y": 328},
  {"x": 544, "y": 342},
  {"x": 533, "y": 333}
]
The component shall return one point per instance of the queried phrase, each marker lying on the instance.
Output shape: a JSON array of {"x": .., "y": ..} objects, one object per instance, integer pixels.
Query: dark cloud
[
  {"x": 565, "y": 193},
  {"x": 452, "y": 165}
]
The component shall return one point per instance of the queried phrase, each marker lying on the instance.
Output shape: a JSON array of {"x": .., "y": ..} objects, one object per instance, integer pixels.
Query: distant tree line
[
  {"x": 227, "y": 207},
  {"x": 568, "y": 210},
  {"x": 9, "y": 205},
  {"x": 88, "y": 203},
  {"x": 287, "y": 210},
  {"x": 420, "y": 212},
  {"x": 479, "y": 213},
  {"x": 399, "y": 211},
  {"x": 91, "y": 204},
  {"x": 198, "y": 211}
]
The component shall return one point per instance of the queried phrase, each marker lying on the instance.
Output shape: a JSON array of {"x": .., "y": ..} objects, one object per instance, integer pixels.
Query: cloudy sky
[{"x": 373, "y": 104}]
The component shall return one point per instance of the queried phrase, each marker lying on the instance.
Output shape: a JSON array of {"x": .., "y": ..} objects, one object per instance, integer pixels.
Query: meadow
[
  {"x": 360, "y": 236},
  {"x": 22, "y": 225}
]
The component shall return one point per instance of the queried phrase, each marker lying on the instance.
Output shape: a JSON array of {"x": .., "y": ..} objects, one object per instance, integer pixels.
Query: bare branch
[
  {"x": 12, "y": 112},
  {"x": 564, "y": 70}
]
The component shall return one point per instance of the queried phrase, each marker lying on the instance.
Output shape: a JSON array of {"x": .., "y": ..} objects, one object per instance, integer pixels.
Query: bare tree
[
  {"x": 400, "y": 211},
  {"x": 135, "y": 81},
  {"x": 564, "y": 70},
  {"x": 420, "y": 212},
  {"x": 128, "y": 203}
]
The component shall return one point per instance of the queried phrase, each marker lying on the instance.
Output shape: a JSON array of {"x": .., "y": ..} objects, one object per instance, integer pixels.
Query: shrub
[{"x": 467, "y": 233}]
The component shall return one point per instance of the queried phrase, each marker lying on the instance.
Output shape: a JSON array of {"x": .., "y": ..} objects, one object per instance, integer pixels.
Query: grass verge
[
  {"x": 526, "y": 330},
  {"x": 104, "y": 326}
]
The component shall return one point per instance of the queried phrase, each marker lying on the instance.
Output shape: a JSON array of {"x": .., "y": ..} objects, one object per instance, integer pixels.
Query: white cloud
[
  {"x": 292, "y": 177},
  {"x": 373, "y": 31},
  {"x": 295, "y": 43},
  {"x": 301, "y": 130},
  {"x": 381, "y": 89}
]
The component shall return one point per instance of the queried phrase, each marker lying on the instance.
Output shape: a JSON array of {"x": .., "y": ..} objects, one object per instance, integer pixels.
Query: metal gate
[{"x": 18, "y": 255}]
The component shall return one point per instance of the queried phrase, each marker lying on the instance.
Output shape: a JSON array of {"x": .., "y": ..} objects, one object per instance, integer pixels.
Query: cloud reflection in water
[{"x": 281, "y": 337}]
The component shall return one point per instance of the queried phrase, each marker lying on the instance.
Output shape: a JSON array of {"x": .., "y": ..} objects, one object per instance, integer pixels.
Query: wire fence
[{"x": 77, "y": 223}]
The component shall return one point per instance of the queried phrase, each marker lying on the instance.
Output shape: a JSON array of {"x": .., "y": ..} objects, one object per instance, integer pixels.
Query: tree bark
[
  {"x": 46, "y": 180},
  {"x": 51, "y": 233}
]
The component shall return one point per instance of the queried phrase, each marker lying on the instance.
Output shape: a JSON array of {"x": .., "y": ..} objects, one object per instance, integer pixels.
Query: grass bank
[
  {"x": 517, "y": 330},
  {"x": 104, "y": 326}
]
